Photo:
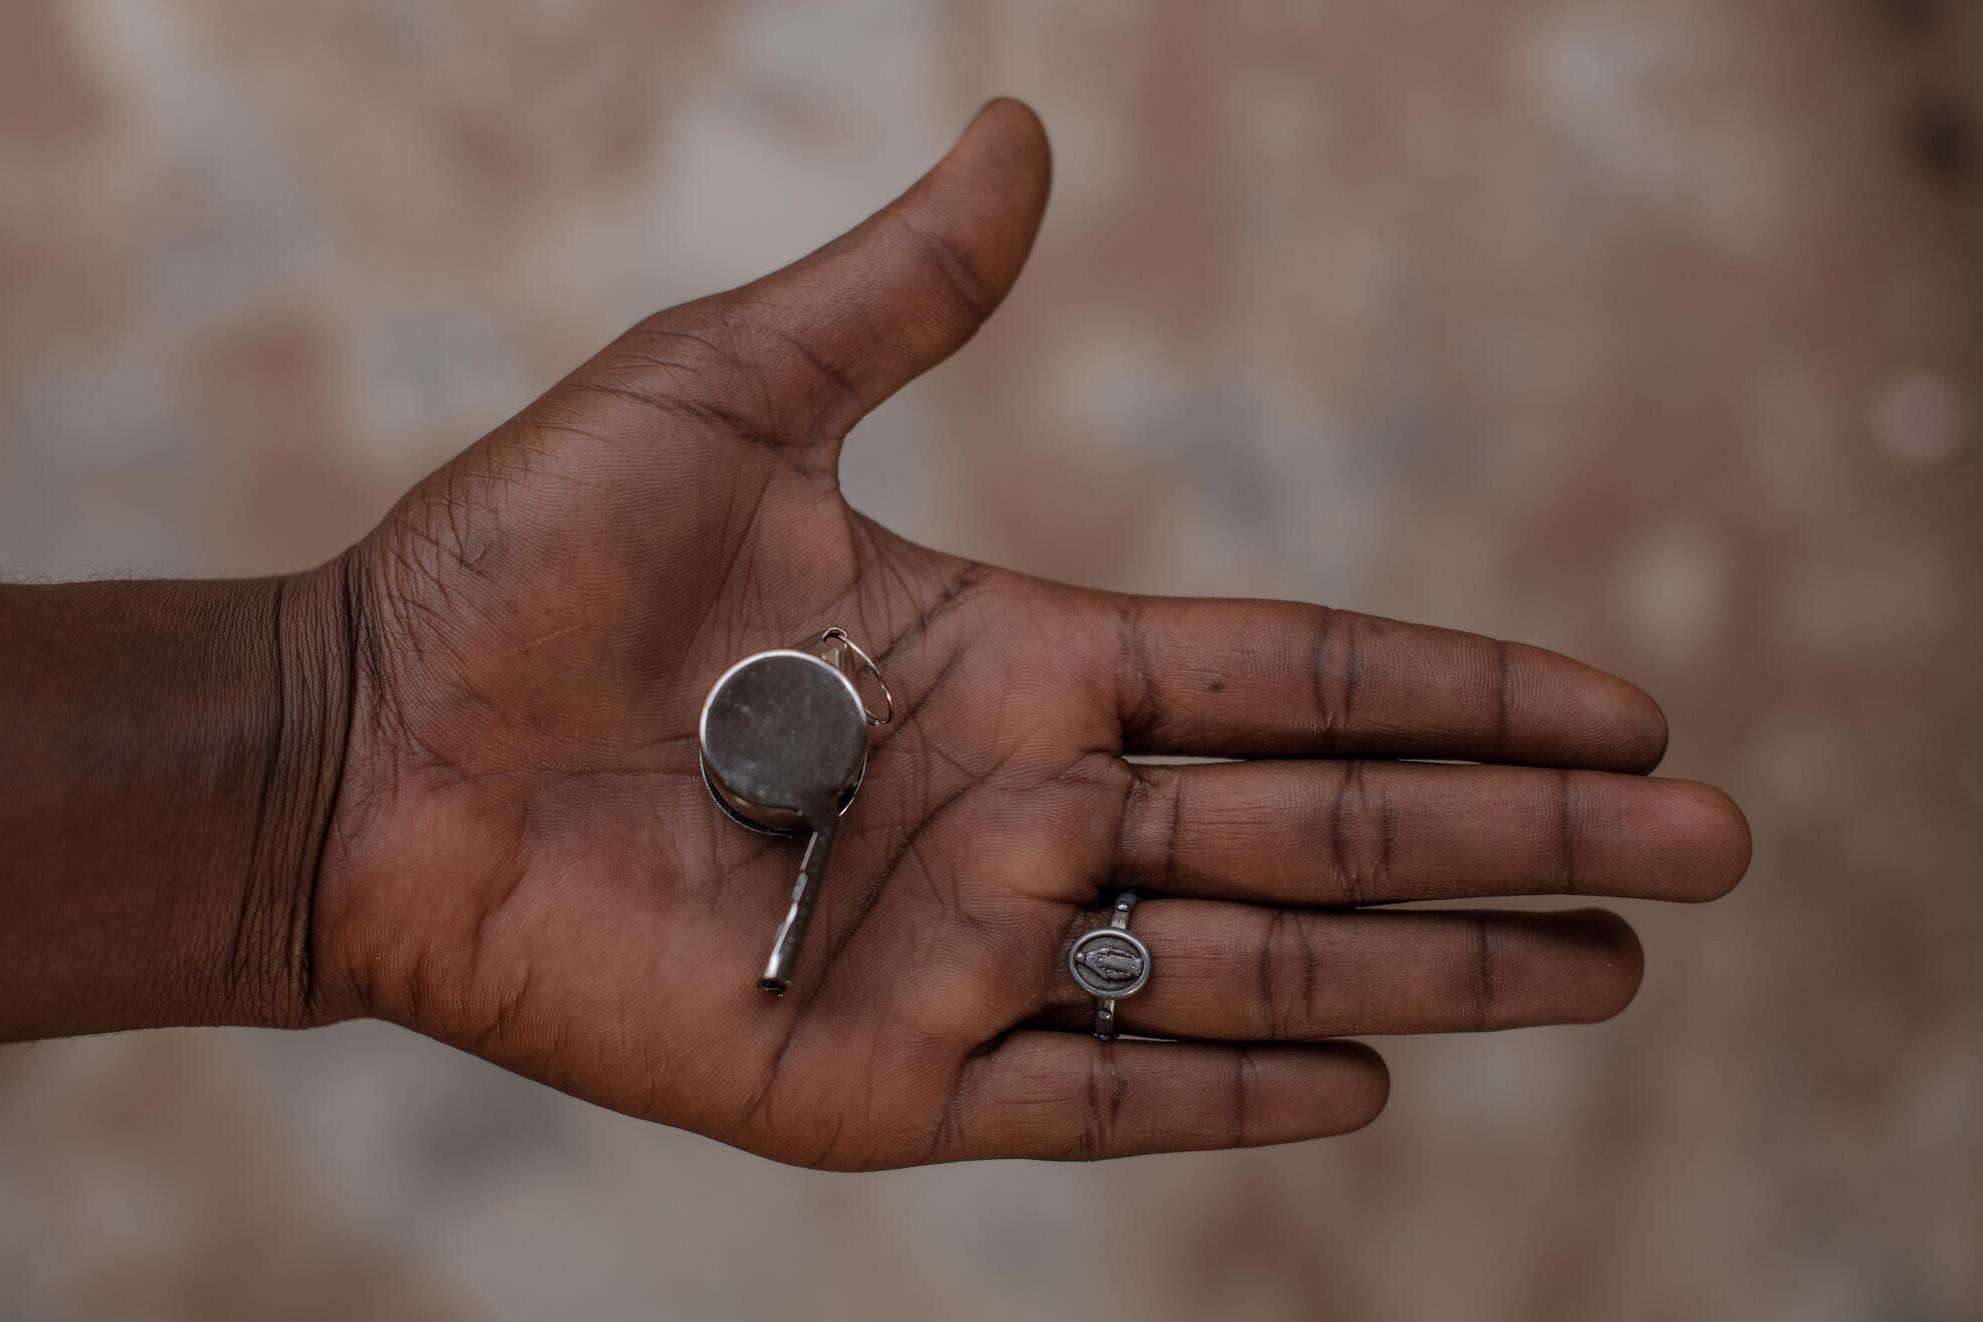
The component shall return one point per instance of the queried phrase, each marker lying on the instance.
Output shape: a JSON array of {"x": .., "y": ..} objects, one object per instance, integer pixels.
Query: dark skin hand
[{"x": 450, "y": 778}]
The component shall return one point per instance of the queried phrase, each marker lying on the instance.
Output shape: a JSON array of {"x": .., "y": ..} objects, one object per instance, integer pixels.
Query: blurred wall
[{"x": 1644, "y": 329}]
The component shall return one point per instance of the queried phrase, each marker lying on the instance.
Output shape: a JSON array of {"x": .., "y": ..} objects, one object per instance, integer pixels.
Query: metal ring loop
[
  {"x": 839, "y": 635},
  {"x": 1110, "y": 964}
]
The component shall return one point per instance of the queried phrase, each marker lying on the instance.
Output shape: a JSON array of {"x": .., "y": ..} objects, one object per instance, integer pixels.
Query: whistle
[{"x": 783, "y": 743}]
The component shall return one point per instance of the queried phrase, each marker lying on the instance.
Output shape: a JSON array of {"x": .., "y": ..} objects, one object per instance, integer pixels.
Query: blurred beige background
[{"x": 1646, "y": 329}]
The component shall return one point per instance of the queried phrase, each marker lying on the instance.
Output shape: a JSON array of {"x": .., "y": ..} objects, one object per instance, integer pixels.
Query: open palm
[{"x": 523, "y": 860}]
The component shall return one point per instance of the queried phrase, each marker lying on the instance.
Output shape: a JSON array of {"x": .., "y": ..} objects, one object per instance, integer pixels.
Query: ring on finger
[{"x": 1109, "y": 963}]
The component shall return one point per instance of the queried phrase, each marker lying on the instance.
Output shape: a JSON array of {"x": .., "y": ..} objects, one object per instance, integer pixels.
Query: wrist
[
  {"x": 272, "y": 974},
  {"x": 168, "y": 767}
]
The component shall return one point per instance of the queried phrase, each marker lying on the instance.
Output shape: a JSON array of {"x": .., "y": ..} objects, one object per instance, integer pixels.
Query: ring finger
[{"x": 1243, "y": 972}]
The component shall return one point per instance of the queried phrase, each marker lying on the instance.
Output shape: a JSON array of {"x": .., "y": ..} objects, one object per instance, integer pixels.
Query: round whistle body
[{"x": 783, "y": 739}]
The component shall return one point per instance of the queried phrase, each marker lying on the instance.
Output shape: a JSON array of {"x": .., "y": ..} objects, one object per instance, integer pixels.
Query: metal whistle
[{"x": 783, "y": 742}]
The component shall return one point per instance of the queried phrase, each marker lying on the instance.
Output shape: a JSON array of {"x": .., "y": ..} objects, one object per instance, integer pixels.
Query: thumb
[{"x": 820, "y": 343}]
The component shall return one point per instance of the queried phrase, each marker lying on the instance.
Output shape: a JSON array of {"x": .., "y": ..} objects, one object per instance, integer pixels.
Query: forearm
[{"x": 169, "y": 759}]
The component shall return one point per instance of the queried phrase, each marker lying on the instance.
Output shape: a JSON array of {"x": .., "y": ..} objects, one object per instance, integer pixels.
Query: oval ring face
[{"x": 1109, "y": 963}]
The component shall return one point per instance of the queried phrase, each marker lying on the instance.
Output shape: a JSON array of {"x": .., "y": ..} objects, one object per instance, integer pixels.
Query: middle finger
[{"x": 1334, "y": 833}]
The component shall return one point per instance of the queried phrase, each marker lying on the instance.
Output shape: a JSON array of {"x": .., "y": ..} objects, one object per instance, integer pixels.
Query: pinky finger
[{"x": 1062, "y": 1096}]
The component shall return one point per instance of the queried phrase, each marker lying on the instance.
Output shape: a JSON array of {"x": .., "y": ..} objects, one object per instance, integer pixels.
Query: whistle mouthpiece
[{"x": 792, "y": 932}]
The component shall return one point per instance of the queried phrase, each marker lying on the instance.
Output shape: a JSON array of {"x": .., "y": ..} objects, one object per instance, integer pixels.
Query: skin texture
[{"x": 517, "y": 856}]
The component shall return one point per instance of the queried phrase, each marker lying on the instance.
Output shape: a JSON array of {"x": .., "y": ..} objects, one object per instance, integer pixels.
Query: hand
[{"x": 523, "y": 861}]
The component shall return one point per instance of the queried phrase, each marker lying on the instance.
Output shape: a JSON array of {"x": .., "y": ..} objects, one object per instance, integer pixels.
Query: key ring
[{"x": 838, "y": 636}]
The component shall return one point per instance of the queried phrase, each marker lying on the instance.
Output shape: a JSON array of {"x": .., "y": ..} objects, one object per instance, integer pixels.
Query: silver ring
[
  {"x": 839, "y": 636},
  {"x": 1110, "y": 964}
]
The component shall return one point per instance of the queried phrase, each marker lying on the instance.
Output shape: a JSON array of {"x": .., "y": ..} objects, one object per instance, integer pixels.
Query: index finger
[{"x": 1230, "y": 678}]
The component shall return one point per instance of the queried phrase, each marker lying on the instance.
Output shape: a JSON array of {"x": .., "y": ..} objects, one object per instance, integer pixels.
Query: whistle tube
[{"x": 792, "y": 932}]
